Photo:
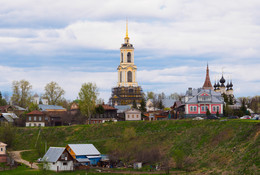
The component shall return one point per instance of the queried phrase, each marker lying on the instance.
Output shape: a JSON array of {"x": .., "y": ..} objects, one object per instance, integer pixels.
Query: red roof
[
  {"x": 107, "y": 107},
  {"x": 35, "y": 112}
]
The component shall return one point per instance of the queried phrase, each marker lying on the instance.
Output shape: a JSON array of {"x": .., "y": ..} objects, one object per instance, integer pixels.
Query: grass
[{"x": 228, "y": 146}]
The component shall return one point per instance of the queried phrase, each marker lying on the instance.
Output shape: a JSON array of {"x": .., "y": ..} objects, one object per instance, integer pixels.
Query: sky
[{"x": 73, "y": 42}]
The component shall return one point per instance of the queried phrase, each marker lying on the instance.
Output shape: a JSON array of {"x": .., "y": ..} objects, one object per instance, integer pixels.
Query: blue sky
[{"x": 72, "y": 42}]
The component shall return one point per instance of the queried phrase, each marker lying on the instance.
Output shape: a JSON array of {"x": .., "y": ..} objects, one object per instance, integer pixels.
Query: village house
[
  {"x": 85, "y": 154},
  {"x": 132, "y": 115},
  {"x": 58, "y": 159},
  {"x": 109, "y": 114},
  {"x": 56, "y": 113},
  {"x": 3, "y": 155},
  {"x": 121, "y": 111},
  {"x": 36, "y": 118}
]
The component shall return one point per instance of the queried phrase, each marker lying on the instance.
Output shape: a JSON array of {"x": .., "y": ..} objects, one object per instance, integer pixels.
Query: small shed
[
  {"x": 58, "y": 159},
  {"x": 86, "y": 154},
  {"x": 3, "y": 155}
]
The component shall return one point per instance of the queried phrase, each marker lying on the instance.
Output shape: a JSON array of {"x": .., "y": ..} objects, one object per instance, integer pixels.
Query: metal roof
[
  {"x": 48, "y": 107},
  {"x": 83, "y": 160},
  {"x": 122, "y": 108},
  {"x": 84, "y": 149},
  {"x": 53, "y": 154}
]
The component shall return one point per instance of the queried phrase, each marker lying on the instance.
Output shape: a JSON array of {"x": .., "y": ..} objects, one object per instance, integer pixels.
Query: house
[
  {"x": 12, "y": 109},
  {"x": 58, "y": 159},
  {"x": 3, "y": 155},
  {"x": 132, "y": 114},
  {"x": 157, "y": 115},
  {"x": 109, "y": 114},
  {"x": 121, "y": 111},
  {"x": 36, "y": 118},
  {"x": 56, "y": 113},
  {"x": 198, "y": 101},
  {"x": 8, "y": 117},
  {"x": 166, "y": 102},
  {"x": 178, "y": 110},
  {"x": 85, "y": 154}
]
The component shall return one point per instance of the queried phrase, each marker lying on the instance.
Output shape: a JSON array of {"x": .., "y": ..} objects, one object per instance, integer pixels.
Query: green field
[{"x": 230, "y": 147}]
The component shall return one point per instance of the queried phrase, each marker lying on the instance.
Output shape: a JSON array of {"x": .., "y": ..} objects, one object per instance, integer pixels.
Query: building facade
[{"x": 127, "y": 90}]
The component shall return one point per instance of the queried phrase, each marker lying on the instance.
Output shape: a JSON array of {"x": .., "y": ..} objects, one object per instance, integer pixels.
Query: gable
[{"x": 204, "y": 94}]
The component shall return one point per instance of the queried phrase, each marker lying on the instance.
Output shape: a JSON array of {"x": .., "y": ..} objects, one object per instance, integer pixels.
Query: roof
[
  {"x": 53, "y": 154},
  {"x": 35, "y": 112},
  {"x": 107, "y": 107},
  {"x": 3, "y": 144},
  {"x": 9, "y": 116},
  {"x": 83, "y": 160},
  {"x": 133, "y": 110},
  {"x": 167, "y": 103},
  {"x": 207, "y": 84},
  {"x": 36, "y": 95},
  {"x": 50, "y": 107},
  {"x": 84, "y": 149},
  {"x": 122, "y": 108}
]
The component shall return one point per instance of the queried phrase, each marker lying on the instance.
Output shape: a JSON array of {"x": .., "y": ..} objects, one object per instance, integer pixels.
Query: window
[
  {"x": 191, "y": 108},
  {"x": 2, "y": 149},
  {"x": 129, "y": 76},
  {"x": 34, "y": 124},
  {"x": 122, "y": 57},
  {"x": 202, "y": 108},
  {"x": 46, "y": 118},
  {"x": 65, "y": 163},
  {"x": 214, "y": 108},
  {"x": 39, "y": 124},
  {"x": 195, "y": 108},
  {"x": 40, "y": 118},
  {"x": 30, "y": 124},
  {"x": 133, "y": 116},
  {"x": 129, "y": 57},
  {"x": 120, "y": 77},
  {"x": 35, "y": 118},
  {"x": 30, "y": 118},
  {"x": 128, "y": 116},
  {"x": 218, "y": 108}
]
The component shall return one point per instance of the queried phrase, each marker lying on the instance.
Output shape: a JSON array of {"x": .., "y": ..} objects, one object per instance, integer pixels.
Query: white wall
[
  {"x": 27, "y": 124},
  {"x": 131, "y": 117},
  {"x": 53, "y": 166}
]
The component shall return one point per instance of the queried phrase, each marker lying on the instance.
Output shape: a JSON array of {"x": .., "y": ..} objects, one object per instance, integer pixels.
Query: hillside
[{"x": 206, "y": 146}]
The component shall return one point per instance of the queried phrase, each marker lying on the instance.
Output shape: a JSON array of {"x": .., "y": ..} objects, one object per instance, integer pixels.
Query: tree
[
  {"x": 208, "y": 112},
  {"x": 217, "y": 114},
  {"x": 2, "y": 100},
  {"x": 134, "y": 105},
  {"x": 54, "y": 93},
  {"x": 100, "y": 110},
  {"x": 160, "y": 104},
  {"x": 87, "y": 99},
  {"x": 150, "y": 95},
  {"x": 32, "y": 107},
  {"x": 21, "y": 93},
  {"x": 7, "y": 133},
  {"x": 142, "y": 107}
]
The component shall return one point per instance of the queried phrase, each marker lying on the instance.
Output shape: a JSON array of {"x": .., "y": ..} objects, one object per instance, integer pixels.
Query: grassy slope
[{"x": 208, "y": 146}]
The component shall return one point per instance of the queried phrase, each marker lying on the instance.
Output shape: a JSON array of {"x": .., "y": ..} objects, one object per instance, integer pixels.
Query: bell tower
[
  {"x": 127, "y": 90},
  {"x": 127, "y": 69}
]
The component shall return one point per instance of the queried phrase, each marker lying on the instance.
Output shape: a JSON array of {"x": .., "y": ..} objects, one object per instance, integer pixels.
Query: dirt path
[{"x": 17, "y": 157}]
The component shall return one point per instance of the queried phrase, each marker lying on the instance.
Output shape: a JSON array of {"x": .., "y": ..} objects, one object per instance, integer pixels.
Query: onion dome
[
  {"x": 218, "y": 85},
  {"x": 215, "y": 86},
  {"x": 231, "y": 85},
  {"x": 222, "y": 80},
  {"x": 228, "y": 86}
]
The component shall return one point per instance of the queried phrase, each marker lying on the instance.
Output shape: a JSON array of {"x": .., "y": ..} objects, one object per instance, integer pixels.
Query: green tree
[
  {"x": 54, "y": 93},
  {"x": 87, "y": 99},
  {"x": 21, "y": 93},
  {"x": 208, "y": 112},
  {"x": 217, "y": 114},
  {"x": 142, "y": 107},
  {"x": 7, "y": 133},
  {"x": 99, "y": 109},
  {"x": 134, "y": 105},
  {"x": 150, "y": 95},
  {"x": 2, "y": 100},
  {"x": 32, "y": 107},
  {"x": 160, "y": 104}
]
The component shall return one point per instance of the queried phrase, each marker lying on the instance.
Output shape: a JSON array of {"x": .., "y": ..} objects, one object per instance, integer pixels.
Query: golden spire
[{"x": 126, "y": 36}]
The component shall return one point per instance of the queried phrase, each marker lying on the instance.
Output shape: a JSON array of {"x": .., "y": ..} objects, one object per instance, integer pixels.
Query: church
[
  {"x": 127, "y": 90},
  {"x": 198, "y": 101}
]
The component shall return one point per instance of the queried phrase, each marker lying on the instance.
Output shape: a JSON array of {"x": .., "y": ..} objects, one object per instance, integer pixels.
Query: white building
[
  {"x": 58, "y": 159},
  {"x": 132, "y": 115}
]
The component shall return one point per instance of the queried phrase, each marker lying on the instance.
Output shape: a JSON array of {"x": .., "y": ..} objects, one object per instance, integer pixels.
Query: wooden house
[
  {"x": 58, "y": 159},
  {"x": 36, "y": 118},
  {"x": 85, "y": 154}
]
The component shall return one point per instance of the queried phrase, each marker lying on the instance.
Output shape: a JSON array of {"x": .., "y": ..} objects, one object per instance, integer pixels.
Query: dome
[
  {"x": 231, "y": 85},
  {"x": 222, "y": 80}
]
